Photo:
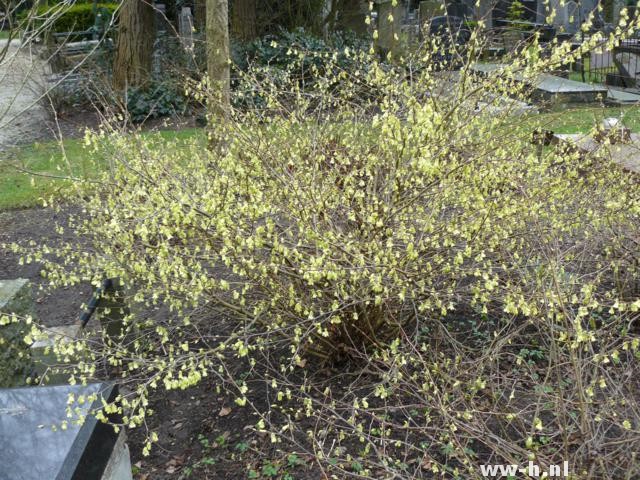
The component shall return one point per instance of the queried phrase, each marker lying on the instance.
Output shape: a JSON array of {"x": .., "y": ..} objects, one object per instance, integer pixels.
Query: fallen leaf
[
  {"x": 176, "y": 461},
  {"x": 224, "y": 411}
]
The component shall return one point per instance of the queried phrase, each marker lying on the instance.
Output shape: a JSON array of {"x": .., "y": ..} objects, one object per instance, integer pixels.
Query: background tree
[
  {"x": 243, "y": 20},
  {"x": 217, "y": 33},
  {"x": 134, "y": 48},
  {"x": 199, "y": 14}
]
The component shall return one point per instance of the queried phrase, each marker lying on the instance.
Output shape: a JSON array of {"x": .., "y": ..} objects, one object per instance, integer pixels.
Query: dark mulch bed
[
  {"x": 53, "y": 308},
  {"x": 203, "y": 435}
]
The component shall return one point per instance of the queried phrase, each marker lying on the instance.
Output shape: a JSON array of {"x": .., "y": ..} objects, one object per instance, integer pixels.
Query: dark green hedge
[{"x": 78, "y": 17}]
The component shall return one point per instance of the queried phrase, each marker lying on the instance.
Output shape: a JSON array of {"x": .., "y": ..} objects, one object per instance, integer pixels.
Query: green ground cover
[
  {"x": 31, "y": 173},
  {"x": 582, "y": 120}
]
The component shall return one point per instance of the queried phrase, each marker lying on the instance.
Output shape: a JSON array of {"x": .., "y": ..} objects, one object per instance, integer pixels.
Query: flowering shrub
[{"x": 477, "y": 284}]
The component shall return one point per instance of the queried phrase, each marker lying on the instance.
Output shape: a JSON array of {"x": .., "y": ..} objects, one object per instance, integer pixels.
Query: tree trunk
[
  {"x": 217, "y": 34},
  {"x": 243, "y": 20},
  {"x": 134, "y": 49},
  {"x": 200, "y": 15}
]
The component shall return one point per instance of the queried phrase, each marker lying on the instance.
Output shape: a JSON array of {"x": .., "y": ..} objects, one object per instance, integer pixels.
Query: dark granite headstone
[{"x": 30, "y": 449}]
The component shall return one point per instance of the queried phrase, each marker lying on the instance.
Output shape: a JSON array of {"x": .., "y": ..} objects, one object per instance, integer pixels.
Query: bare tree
[
  {"x": 217, "y": 32},
  {"x": 243, "y": 20}
]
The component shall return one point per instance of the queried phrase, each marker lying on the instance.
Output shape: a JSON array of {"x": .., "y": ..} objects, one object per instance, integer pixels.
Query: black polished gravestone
[{"x": 30, "y": 449}]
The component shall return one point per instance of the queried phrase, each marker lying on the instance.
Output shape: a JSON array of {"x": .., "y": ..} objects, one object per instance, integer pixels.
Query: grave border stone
[{"x": 88, "y": 450}]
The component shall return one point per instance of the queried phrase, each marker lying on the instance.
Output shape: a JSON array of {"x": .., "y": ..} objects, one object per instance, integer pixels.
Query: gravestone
[
  {"x": 47, "y": 368},
  {"x": 33, "y": 450},
  {"x": 389, "y": 26},
  {"x": 429, "y": 9},
  {"x": 15, "y": 360},
  {"x": 15, "y": 297},
  {"x": 551, "y": 89},
  {"x": 618, "y": 5},
  {"x": 571, "y": 17},
  {"x": 568, "y": 17},
  {"x": 351, "y": 17},
  {"x": 625, "y": 153},
  {"x": 560, "y": 20},
  {"x": 483, "y": 11},
  {"x": 162, "y": 24},
  {"x": 542, "y": 11},
  {"x": 185, "y": 28}
]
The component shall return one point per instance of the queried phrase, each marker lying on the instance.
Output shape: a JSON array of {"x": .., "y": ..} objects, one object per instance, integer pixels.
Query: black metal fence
[{"x": 618, "y": 67}]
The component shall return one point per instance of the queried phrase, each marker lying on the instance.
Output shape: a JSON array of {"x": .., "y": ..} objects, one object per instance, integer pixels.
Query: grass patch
[
  {"x": 583, "y": 120},
  {"x": 4, "y": 34},
  {"x": 47, "y": 166},
  {"x": 32, "y": 173}
]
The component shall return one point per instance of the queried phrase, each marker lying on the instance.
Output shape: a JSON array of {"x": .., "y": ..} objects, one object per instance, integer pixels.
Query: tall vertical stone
[
  {"x": 618, "y": 5},
  {"x": 484, "y": 12},
  {"x": 185, "y": 28},
  {"x": 390, "y": 14}
]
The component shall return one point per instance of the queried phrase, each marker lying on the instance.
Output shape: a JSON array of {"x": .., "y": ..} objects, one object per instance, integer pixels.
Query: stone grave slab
[
  {"x": 622, "y": 97},
  {"x": 558, "y": 89},
  {"x": 32, "y": 450},
  {"x": 626, "y": 154},
  {"x": 15, "y": 297},
  {"x": 551, "y": 88}
]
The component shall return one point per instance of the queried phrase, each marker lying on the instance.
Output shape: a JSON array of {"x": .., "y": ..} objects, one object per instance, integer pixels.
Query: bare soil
[
  {"x": 203, "y": 435},
  {"x": 53, "y": 308}
]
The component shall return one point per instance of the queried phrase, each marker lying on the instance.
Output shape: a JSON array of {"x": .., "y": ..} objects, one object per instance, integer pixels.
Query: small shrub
[
  {"x": 321, "y": 254},
  {"x": 316, "y": 55},
  {"x": 515, "y": 11},
  {"x": 156, "y": 100}
]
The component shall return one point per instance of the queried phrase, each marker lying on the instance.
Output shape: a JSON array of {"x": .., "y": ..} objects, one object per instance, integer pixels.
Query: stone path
[{"x": 22, "y": 115}]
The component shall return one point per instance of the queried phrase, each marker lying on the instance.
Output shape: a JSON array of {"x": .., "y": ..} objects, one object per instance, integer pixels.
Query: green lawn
[
  {"x": 45, "y": 161},
  {"x": 5, "y": 34},
  {"x": 582, "y": 120},
  {"x": 31, "y": 173}
]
